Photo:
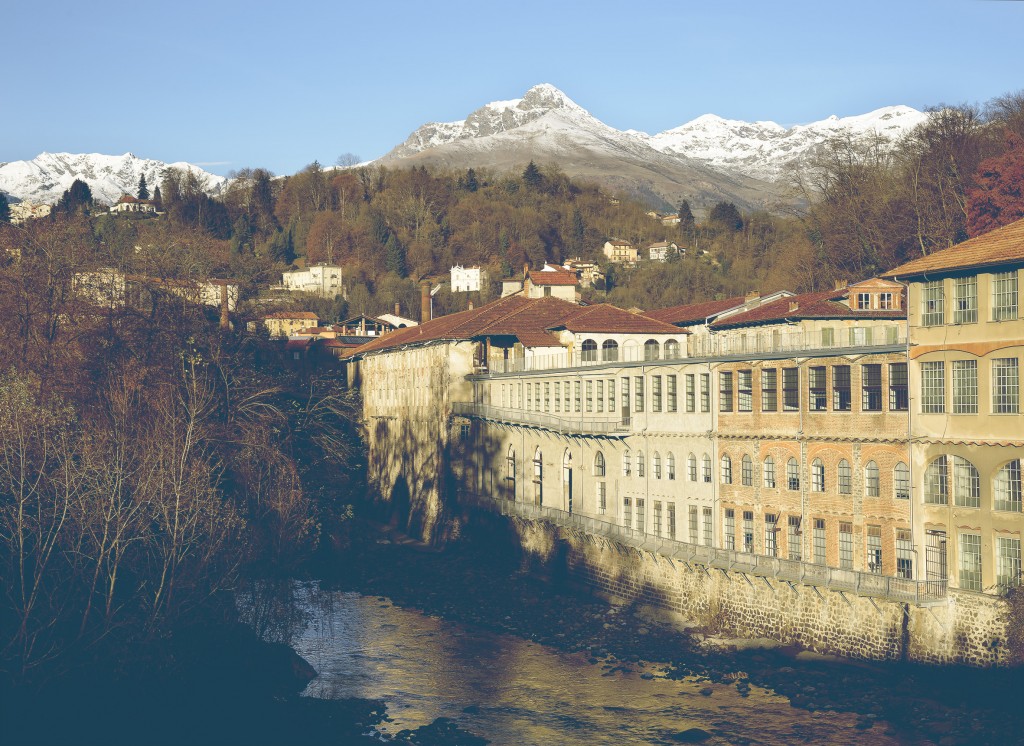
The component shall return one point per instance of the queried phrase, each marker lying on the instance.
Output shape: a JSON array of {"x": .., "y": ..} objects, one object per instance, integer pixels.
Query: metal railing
[
  {"x": 579, "y": 424},
  {"x": 700, "y": 347},
  {"x": 903, "y": 590}
]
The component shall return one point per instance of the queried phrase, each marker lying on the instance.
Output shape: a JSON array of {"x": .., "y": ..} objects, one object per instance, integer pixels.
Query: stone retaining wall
[{"x": 967, "y": 628}]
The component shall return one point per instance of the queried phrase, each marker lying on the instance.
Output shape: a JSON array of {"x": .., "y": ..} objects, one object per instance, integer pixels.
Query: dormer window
[
  {"x": 885, "y": 301},
  {"x": 863, "y": 301}
]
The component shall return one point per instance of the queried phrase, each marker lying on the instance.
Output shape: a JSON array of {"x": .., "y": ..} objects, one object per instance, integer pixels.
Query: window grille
[
  {"x": 1007, "y": 563},
  {"x": 600, "y": 395},
  {"x": 793, "y": 474},
  {"x": 1008, "y": 487},
  {"x": 1005, "y": 386},
  {"x": 817, "y": 475},
  {"x": 871, "y": 487},
  {"x": 841, "y": 397},
  {"x": 599, "y": 465},
  {"x": 726, "y": 470},
  {"x": 747, "y": 471},
  {"x": 885, "y": 301},
  {"x": 558, "y": 396},
  {"x": 590, "y": 396},
  {"x": 748, "y": 531},
  {"x": 901, "y": 481},
  {"x": 694, "y": 528},
  {"x": 828, "y": 337},
  {"x": 846, "y": 545},
  {"x": 656, "y": 460},
  {"x": 640, "y": 464},
  {"x": 547, "y": 397},
  {"x": 577, "y": 391},
  {"x": 729, "y": 529},
  {"x": 965, "y": 300},
  {"x": 705, "y": 468},
  {"x": 627, "y": 512},
  {"x": 691, "y": 468},
  {"x": 1004, "y": 296},
  {"x": 672, "y": 520},
  {"x": 709, "y": 539},
  {"x": 875, "y": 549},
  {"x": 745, "y": 392},
  {"x": 602, "y": 498},
  {"x": 845, "y": 477},
  {"x": 933, "y": 387},
  {"x": 672, "y": 401},
  {"x": 657, "y": 518},
  {"x": 793, "y": 538},
  {"x": 936, "y": 482},
  {"x": 691, "y": 402},
  {"x": 611, "y": 394},
  {"x": 725, "y": 391},
  {"x": 818, "y": 541},
  {"x": 769, "y": 472},
  {"x": 670, "y": 465},
  {"x": 965, "y": 387},
  {"x": 970, "y": 562},
  {"x": 816, "y": 388},
  {"x": 655, "y": 393},
  {"x": 641, "y": 515},
  {"x": 769, "y": 390},
  {"x": 568, "y": 394},
  {"x": 904, "y": 554},
  {"x": 871, "y": 387},
  {"x": 899, "y": 400},
  {"x": 626, "y": 466},
  {"x": 638, "y": 393},
  {"x": 966, "y": 484},
  {"x": 770, "y": 527},
  {"x": 705, "y": 392},
  {"x": 933, "y": 304}
]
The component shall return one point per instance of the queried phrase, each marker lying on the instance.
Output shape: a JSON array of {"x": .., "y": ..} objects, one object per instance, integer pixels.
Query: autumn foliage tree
[{"x": 998, "y": 197}]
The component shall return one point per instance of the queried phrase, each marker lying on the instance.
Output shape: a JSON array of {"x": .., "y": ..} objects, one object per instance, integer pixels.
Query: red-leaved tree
[{"x": 998, "y": 198}]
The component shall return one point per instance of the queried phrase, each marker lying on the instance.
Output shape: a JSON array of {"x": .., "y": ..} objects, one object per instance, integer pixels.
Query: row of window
[
  {"x": 1007, "y": 556},
  {"x": 844, "y": 476},
  {"x": 609, "y": 351},
  {"x": 954, "y": 479},
  {"x": 736, "y": 392},
  {"x": 1005, "y": 376},
  {"x": 1003, "y": 300}
]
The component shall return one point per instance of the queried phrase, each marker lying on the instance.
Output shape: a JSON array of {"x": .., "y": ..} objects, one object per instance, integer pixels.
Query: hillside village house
[
  {"x": 289, "y": 323},
  {"x": 467, "y": 279},
  {"x": 128, "y": 203},
  {"x": 320, "y": 279},
  {"x": 111, "y": 287},
  {"x": 619, "y": 251},
  {"x": 551, "y": 281},
  {"x": 672, "y": 219},
  {"x": 588, "y": 273},
  {"x": 660, "y": 251}
]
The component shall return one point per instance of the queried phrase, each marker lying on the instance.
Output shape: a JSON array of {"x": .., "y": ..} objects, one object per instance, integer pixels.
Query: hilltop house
[
  {"x": 320, "y": 279},
  {"x": 128, "y": 203},
  {"x": 660, "y": 251},
  {"x": 467, "y": 279},
  {"x": 619, "y": 251}
]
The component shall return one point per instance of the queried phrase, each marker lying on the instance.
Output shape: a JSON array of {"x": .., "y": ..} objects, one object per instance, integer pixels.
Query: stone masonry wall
[{"x": 962, "y": 630}]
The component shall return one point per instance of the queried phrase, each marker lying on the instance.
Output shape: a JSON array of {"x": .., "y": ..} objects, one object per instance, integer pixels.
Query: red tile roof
[
  {"x": 609, "y": 319},
  {"x": 554, "y": 276},
  {"x": 1002, "y": 246},
  {"x": 694, "y": 313},
  {"x": 303, "y": 315},
  {"x": 821, "y": 305}
]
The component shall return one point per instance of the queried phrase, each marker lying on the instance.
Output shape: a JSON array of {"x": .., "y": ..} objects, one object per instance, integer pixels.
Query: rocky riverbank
[{"x": 480, "y": 581}]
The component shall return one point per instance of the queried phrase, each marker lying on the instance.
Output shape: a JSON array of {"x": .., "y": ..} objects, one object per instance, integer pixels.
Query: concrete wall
[{"x": 968, "y": 628}]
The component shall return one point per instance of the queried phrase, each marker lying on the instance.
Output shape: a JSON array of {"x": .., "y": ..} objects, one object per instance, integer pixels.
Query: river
[{"x": 513, "y": 691}]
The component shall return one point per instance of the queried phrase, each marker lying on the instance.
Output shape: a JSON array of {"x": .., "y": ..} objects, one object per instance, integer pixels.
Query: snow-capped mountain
[
  {"x": 705, "y": 160},
  {"x": 45, "y": 178},
  {"x": 763, "y": 150}
]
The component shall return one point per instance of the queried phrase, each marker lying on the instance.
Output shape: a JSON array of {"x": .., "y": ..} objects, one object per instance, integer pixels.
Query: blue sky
[{"x": 234, "y": 84}]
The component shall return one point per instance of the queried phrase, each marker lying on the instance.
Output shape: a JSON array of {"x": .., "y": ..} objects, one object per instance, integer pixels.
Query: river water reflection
[{"x": 513, "y": 691}]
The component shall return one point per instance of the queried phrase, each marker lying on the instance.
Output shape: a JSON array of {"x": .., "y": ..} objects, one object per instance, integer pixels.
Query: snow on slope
[
  {"x": 764, "y": 149},
  {"x": 44, "y": 179}
]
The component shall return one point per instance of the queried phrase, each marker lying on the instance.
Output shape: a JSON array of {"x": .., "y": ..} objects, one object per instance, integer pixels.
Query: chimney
[
  {"x": 794, "y": 306},
  {"x": 526, "y": 271},
  {"x": 225, "y": 319},
  {"x": 398, "y": 308},
  {"x": 471, "y": 304},
  {"x": 841, "y": 284},
  {"x": 425, "y": 300}
]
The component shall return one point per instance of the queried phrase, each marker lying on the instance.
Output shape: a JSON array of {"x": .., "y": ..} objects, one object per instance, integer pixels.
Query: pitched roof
[
  {"x": 824, "y": 304},
  {"x": 1002, "y": 246},
  {"x": 553, "y": 276},
  {"x": 530, "y": 320},
  {"x": 694, "y": 313},
  {"x": 303, "y": 315}
]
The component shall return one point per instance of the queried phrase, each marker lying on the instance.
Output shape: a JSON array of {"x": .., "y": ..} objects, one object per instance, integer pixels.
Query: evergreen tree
[
  {"x": 394, "y": 256},
  {"x": 579, "y": 230},
  {"x": 76, "y": 198},
  {"x": 5, "y": 209},
  {"x": 686, "y": 219},
  {"x": 143, "y": 192},
  {"x": 471, "y": 184},
  {"x": 158, "y": 202},
  {"x": 532, "y": 176},
  {"x": 726, "y": 216}
]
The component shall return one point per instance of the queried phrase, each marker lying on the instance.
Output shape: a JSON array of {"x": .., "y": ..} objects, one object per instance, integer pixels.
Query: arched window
[
  {"x": 726, "y": 470},
  {"x": 966, "y": 484},
  {"x": 747, "y": 471},
  {"x": 589, "y": 351},
  {"x": 639, "y": 463},
  {"x": 769, "y": 472},
  {"x": 936, "y": 482},
  {"x": 599, "y": 469},
  {"x": 627, "y": 468},
  {"x": 793, "y": 474},
  {"x": 538, "y": 476},
  {"x": 670, "y": 465},
  {"x": 1008, "y": 487},
  {"x": 510, "y": 471},
  {"x": 656, "y": 461},
  {"x": 652, "y": 350},
  {"x": 901, "y": 481},
  {"x": 817, "y": 475},
  {"x": 610, "y": 351},
  {"x": 705, "y": 468},
  {"x": 691, "y": 468},
  {"x": 672, "y": 350},
  {"x": 845, "y": 477},
  {"x": 871, "y": 488}
]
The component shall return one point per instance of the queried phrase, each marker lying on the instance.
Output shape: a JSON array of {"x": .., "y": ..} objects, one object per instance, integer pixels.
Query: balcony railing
[
  {"x": 903, "y": 590},
  {"x": 700, "y": 347},
  {"x": 578, "y": 424}
]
